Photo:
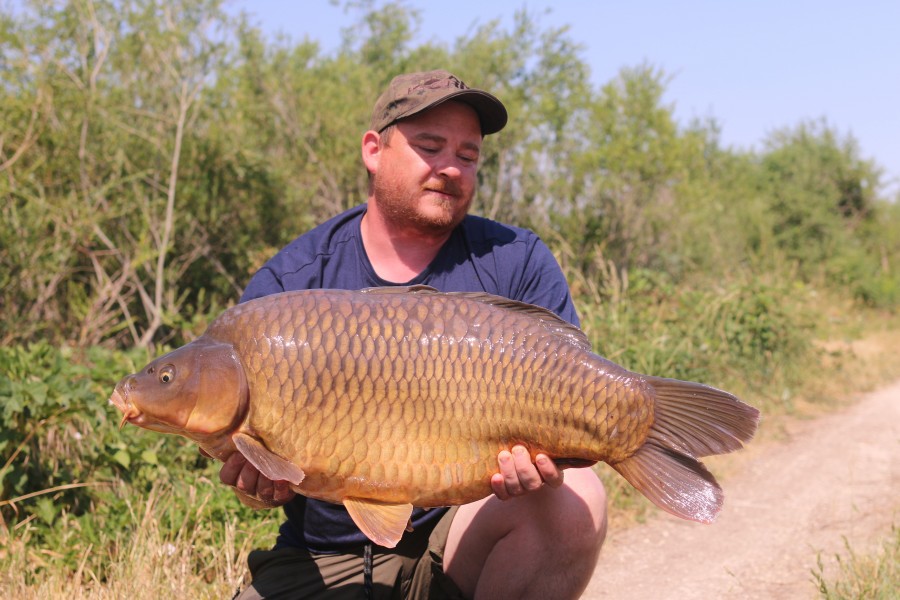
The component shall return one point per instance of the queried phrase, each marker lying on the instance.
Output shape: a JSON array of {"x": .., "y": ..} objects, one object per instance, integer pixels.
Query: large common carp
[{"x": 389, "y": 398}]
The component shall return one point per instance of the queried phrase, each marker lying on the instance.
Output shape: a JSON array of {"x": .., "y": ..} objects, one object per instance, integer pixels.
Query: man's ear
[{"x": 371, "y": 150}]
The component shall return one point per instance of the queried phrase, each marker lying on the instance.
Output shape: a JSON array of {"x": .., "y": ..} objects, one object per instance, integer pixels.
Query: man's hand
[
  {"x": 518, "y": 475},
  {"x": 252, "y": 487}
]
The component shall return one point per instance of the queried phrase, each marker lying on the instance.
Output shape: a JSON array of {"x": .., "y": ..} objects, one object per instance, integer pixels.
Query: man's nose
[{"x": 450, "y": 167}]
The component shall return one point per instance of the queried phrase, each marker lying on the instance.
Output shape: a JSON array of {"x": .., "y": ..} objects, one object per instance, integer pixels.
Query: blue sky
[{"x": 754, "y": 66}]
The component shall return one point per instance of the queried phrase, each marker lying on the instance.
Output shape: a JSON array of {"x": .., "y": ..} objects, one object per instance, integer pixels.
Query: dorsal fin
[
  {"x": 401, "y": 289},
  {"x": 550, "y": 320}
]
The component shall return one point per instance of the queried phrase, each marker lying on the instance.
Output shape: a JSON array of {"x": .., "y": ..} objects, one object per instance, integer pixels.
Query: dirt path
[{"x": 787, "y": 501}]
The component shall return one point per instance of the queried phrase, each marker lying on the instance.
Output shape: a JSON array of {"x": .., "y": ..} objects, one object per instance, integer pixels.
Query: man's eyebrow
[
  {"x": 472, "y": 146},
  {"x": 424, "y": 136},
  {"x": 429, "y": 137}
]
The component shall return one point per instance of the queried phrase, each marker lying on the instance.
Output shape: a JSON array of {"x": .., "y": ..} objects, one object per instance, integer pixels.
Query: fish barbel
[{"x": 388, "y": 398}]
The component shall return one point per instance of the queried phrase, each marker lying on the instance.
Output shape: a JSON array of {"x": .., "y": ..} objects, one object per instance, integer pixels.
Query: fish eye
[{"x": 167, "y": 374}]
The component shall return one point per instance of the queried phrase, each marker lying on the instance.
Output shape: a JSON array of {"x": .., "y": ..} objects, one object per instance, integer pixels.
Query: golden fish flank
[{"x": 390, "y": 398}]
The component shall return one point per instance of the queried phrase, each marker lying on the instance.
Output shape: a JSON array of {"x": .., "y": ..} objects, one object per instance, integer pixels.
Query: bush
[
  {"x": 73, "y": 483},
  {"x": 750, "y": 334}
]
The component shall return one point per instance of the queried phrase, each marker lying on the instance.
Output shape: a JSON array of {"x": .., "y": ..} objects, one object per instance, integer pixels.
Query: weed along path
[{"x": 796, "y": 495}]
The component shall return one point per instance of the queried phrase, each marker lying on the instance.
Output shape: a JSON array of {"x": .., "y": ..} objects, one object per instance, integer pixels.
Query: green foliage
[
  {"x": 39, "y": 390},
  {"x": 820, "y": 195},
  {"x": 56, "y": 427},
  {"x": 868, "y": 268},
  {"x": 71, "y": 476},
  {"x": 752, "y": 334},
  {"x": 863, "y": 577},
  {"x": 110, "y": 91},
  {"x": 156, "y": 153}
]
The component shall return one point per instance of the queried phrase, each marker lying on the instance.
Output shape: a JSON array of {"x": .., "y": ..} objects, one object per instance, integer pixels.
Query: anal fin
[
  {"x": 382, "y": 523},
  {"x": 675, "y": 482},
  {"x": 269, "y": 464}
]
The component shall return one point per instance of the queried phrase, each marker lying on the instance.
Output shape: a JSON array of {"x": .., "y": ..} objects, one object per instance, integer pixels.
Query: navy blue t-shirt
[{"x": 481, "y": 255}]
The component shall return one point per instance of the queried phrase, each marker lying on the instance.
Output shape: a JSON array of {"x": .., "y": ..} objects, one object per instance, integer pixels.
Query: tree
[
  {"x": 115, "y": 87},
  {"x": 820, "y": 193}
]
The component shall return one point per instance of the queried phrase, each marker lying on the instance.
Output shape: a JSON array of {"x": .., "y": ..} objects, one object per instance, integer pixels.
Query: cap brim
[{"x": 491, "y": 112}]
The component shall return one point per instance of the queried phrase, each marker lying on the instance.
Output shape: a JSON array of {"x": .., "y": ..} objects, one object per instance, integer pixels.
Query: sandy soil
[{"x": 788, "y": 501}]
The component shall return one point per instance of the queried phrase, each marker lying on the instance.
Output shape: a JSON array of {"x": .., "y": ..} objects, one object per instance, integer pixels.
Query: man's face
[{"x": 426, "y": 173}]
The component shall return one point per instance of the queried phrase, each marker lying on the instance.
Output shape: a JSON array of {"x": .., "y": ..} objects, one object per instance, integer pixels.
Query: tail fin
[{"x": 692, "y": 420}]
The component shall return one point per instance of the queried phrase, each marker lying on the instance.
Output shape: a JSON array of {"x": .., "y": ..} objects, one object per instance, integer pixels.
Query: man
[{"x": 539, "y": 535}]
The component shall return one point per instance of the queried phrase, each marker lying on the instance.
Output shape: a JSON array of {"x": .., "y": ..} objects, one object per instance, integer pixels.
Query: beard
[{"x": 404, "y": 208}]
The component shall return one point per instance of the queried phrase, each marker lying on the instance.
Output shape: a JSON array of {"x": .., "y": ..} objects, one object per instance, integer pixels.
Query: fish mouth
[{"x": 129, "y": 411}]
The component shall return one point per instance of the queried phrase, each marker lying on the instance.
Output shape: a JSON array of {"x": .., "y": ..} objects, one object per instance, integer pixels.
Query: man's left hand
[{"x": 518, "y": 475}]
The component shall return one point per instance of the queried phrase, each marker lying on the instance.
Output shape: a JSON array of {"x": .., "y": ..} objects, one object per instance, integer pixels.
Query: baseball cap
[{"x": 411, "y": 93}]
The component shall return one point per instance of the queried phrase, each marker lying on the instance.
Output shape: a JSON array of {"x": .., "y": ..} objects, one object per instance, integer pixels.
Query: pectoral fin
[
  {"x": 382, "y": 523},
  {"x": 269, "y": 464}
]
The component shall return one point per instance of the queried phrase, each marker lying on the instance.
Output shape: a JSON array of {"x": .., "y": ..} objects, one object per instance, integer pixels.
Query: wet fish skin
[
  {"x": 388, "y": 398},
  {"x": 396, "y": 362}
]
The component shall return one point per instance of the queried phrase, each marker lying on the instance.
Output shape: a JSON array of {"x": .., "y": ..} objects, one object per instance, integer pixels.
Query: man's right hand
[{"x": 252, "y": 487}]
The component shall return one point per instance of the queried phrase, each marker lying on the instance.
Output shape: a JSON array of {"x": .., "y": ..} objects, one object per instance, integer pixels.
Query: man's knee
[
  {"x": 582, "y": 517},
  {"x": 550, "y": 531},
  {"x": 569, "y": 522}
]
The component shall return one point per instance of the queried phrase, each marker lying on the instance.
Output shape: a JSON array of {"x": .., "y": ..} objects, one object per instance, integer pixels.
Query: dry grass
[
  {"x": 873, "y": 576},
  {"x": 856, "y": 358},
  {"x": 144, "y": 562}
]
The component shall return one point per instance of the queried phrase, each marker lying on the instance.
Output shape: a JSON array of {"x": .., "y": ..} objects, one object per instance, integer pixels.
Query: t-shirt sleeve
[
  {"x": 263, "y": 283},
  {"x": 323, "y": 257},
  {"x": 544, "y": 284},
  {"x": 515, "y": 263}
]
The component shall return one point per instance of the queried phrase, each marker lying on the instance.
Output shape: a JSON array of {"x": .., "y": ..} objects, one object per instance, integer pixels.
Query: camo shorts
[{"x": 414, "y": 570}]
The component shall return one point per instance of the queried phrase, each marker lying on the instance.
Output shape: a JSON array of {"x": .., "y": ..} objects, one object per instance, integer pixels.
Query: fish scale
[
  {"x": 386, "y": 398},
  {"x": 413, "y": 338}
]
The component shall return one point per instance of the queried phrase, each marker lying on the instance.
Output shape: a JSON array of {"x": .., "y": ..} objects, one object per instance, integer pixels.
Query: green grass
[{"x": 862, "y": 577}]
